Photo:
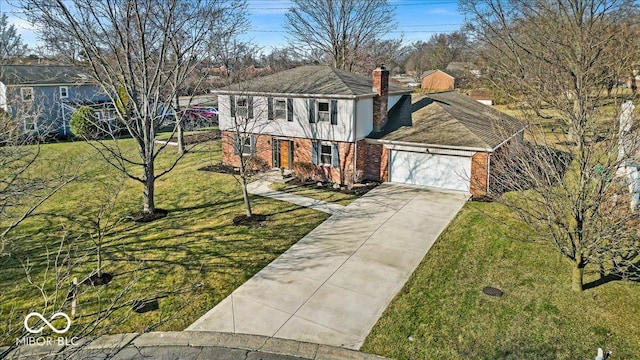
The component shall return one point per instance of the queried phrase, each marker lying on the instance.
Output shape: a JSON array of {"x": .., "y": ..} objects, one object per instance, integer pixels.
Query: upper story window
[
  {"x": 280, "y": 109},
  {"x": 26, "y": 93},
  {"x": 323, "y": 110},
  {"x": 324, "y": 113},
  {"x": 242, "y": 106},
  {"x": 64, "y": 92}
]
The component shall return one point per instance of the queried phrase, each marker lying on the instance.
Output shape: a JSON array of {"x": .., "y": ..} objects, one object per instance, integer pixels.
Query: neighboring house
[
  {"x": 437, "y": 80},
  {"x": 464, "y": 67},
  {"x": 346, "y": 124},
  {"x": 482, "y": 96},
  {"x": 39, "y": 91},
  {"x": 629, "y": 153}
]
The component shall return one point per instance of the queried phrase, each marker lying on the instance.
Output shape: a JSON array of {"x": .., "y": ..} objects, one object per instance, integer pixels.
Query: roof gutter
[
  {"x": 296, "y": 95},
  {"x": 435, "y": 146},
  {"x": 510, "y": 137}
]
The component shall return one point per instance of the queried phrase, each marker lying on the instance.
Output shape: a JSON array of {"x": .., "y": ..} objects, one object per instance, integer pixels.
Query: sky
[{"x": 417, "y": 20}]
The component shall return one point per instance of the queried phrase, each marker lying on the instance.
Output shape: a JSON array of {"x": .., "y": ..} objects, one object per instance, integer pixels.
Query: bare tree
[
  {"x": 338, "y": 28},
  {"x": 557, "y": 56},
  {"x": 140, "y": 53},
  {"x": 11, "y": 44}
]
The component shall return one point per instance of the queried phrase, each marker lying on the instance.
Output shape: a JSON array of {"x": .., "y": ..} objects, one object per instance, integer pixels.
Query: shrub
[
  {"x": 84, "y": 123},
  {"x": 304, "y": 171},
  {"x": 257, "y": 163}
]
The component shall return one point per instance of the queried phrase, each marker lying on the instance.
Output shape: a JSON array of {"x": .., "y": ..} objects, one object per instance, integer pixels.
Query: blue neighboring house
[{"x": 47, "y": 95}]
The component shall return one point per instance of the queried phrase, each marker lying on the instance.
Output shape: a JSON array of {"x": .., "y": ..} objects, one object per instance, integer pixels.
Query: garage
[{"x": 434, "y": 170}]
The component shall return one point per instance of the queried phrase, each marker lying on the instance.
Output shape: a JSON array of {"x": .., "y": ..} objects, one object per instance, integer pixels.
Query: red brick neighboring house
[
  {"x": 437, "y": 80},
  {"x": 341, "y": 125}
]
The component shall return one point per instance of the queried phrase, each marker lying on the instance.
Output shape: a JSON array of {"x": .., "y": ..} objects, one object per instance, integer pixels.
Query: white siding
[
  {"x": 300, "y": 126},
  {"x": 364, "y": 120},
  {"x": 3, "y": 97},
  {"x": 393, "y": 100}
]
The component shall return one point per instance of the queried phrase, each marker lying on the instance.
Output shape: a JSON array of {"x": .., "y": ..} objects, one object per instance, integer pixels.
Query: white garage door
[{"x": 434, "y": 170}]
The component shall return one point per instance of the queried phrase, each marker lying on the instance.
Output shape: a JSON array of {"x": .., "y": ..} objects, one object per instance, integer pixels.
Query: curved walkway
[
  {"x": 190, "y": 346},
  {"x": 333, "y": 285}
]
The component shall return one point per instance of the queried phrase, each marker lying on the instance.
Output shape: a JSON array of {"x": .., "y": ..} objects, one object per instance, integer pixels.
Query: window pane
[
  {"x": 323, "y": 106},
  {"x": 325, "y": 154},
  {"x": 281, "y": 109},
  {"x": 246, "y": 148}
]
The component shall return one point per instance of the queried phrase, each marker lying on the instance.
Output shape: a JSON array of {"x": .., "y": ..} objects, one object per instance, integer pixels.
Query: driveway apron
[{"x": 333, "y": 285}]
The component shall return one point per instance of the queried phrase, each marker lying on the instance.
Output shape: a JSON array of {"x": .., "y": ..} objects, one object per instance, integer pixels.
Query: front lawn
[
  {"x": 188, "y": 261},
  {"x": 442, "y": 313}
]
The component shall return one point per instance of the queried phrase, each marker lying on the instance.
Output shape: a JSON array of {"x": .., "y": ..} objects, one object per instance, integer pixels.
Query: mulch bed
[
  {"x": 225, "y": 169},
  {"x": 96, "y": 280},
  {"x": 255, "y": 221},
  {"x": 145, "y": 217},
  {"x": 357, "y": 189},
  {"x": 199, "y": 137}
]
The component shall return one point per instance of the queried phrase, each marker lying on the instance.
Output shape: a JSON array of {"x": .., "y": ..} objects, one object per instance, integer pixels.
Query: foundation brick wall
[
  {"x": 479, "y": 173},
  {"x": 263, "y": 149}
]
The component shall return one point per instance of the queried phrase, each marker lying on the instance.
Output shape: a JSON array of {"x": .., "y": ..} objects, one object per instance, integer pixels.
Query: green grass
[
  {"x": 196, "y": 243},
  {"x": 317, "y": 193},
  {"x": 442, "y": 314}
]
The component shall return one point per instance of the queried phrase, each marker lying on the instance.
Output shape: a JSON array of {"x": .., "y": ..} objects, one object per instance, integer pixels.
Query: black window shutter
[
  {"x": 314, "y": 153},
  {"x": 250, "y": 107},
  {"x": 312, "y": 111},
  {"x": 334, "y": 112},
  {"x": 289, "y": 109},
  {"x": 232, "y": 103},
  {"x": 253, "y": 144},
  {"x": 270, "y": 108},
  {"x": 236, "y": 144},
  {"x": 335, "y": 156}
]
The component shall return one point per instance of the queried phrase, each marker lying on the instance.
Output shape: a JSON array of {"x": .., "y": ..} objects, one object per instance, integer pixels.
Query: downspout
[
  {"x": 355, "y": 137},
  {"x": 488, "y": 172}
]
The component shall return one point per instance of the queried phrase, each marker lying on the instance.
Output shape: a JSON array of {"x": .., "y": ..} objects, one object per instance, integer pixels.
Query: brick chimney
[{"x": 380, "y": 102}]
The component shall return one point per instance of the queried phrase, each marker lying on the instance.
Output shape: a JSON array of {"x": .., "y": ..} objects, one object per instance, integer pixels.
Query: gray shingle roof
[
  {"x": 42, "y": 75},
  {"x": 448, "y": 119},
  {"x": 310, "y": 80}
]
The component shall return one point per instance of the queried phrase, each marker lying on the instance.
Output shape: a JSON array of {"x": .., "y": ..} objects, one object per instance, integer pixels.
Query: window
[
  {"x": 242, "y": 107},
  {"x": 244, "y": 145},
  {"x": 280, "y": 106},
  {"x": 64, "y": 92},
  {"x": 30, "y": 124},
  {"x": 324, "y": 114},
  {"x": 26, "y": 93},
  {"x": 247, "y": 146},
  {"x": 325, "y": 154}
]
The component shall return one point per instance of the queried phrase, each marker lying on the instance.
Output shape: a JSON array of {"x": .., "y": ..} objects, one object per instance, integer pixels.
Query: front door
[{"x": 285, "y": 150}]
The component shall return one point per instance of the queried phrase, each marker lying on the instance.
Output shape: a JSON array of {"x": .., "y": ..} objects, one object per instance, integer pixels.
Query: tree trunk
[
  {"x": 577, "y": 276},
  {"x": 180, "y": 140},
  {"x": 149, "y": 187},
  {"x": 245, "y": 196}
]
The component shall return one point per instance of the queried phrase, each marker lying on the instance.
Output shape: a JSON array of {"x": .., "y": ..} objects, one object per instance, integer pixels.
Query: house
[
  {"x": 483, "y": 96},
  {"x": 40, "y": 92},
  {"x": 346, "y": 125},
  {"x": 464, "y": 67},
  {"x": 437, "y": 80}
]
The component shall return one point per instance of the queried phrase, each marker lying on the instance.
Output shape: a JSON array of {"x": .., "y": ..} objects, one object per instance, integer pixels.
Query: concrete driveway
[{"x": 332, "y": 286}]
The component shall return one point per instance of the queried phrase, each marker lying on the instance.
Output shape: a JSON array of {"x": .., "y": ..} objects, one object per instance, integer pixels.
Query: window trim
[
  {"x": 250, "y": 145},
  {"x": 316, "y": 153},
  {"x": 32, "y": 121},
  {"x": 321, "y": 154},
  {"x": 318, "y": 112},
  {"x": 66, "y": 92},
  {"x": 242, "y": 111},
  {"x": 275, "y": 109},
  {"x": 23, "y": 90}
]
